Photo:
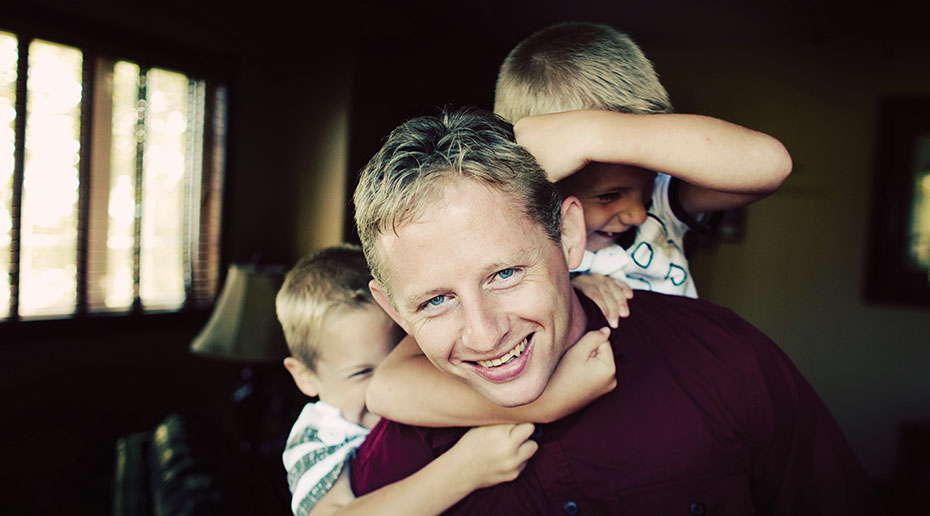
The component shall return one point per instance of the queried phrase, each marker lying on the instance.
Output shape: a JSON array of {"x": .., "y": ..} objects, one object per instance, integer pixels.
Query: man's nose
[{"x": 483, "y": 325}]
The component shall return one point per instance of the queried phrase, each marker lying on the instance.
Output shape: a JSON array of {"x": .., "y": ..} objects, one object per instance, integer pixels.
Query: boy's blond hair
[
  {"x": 320, "y": 284},
  {"x": 578, "y": 65}
]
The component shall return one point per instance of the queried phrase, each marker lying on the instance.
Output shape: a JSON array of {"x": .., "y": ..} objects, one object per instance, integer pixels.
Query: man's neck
[{"x": 578, "y": 323}]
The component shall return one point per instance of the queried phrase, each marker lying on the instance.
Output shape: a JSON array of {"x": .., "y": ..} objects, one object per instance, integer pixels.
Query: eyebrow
[{"x": 414, "y": 301}]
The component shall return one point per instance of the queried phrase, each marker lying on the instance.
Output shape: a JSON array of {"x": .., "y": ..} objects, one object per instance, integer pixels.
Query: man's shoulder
[
  {"x": 396, "y": 450},
  {"x": 691, "y": 329},
  {"x": 674, "y": 311},
  {"x": 682, "y": 305}
]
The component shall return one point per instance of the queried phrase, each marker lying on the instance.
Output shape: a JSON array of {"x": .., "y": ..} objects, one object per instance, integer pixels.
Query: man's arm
[
  {"x": 722, "y": 165},
  {"x": 407, "y": 388},
  {"x": 799, "y": 461},
  {"x": 483, "y": 457},
  {"x": 803, "y": 463}
]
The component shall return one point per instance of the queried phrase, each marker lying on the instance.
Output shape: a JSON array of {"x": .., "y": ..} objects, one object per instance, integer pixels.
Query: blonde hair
[
  {"x": 320, "y": 284},
  {"x": 421, "y": 156},
  {"x": 577, "y": 65}
]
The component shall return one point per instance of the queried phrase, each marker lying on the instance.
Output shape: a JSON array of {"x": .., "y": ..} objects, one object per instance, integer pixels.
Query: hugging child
[
  {"x": 588, "y": 105},
  {"x": 337, "y": 337}
]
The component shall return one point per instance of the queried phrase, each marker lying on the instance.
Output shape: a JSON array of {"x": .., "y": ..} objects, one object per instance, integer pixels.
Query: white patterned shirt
[
  {"x": 656, "y": 259},
  {"x": 319, "y": 445}
]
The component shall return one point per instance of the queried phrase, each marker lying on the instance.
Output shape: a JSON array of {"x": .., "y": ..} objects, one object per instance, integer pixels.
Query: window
[
  {"x": 899, "y": 254},
  {"x": 111, "y": 175}
]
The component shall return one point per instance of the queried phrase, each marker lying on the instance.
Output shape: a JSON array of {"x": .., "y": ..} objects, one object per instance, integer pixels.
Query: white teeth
[{"x": 512, "y": 354}]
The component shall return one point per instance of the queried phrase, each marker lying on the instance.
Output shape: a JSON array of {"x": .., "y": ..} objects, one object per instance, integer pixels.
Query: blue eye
[
  {"x": 436, "y": 301},
  {"x": 506, "y": 273}
]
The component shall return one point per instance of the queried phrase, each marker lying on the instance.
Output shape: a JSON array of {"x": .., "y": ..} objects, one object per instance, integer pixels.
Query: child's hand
[
  {"x": 495, "y": 453},
  {"x": 585, "y": 373},
  {"x": 555, "y": 142},
  {"x": 587, "y": 370},
  {"x": 609, "y": 294}
]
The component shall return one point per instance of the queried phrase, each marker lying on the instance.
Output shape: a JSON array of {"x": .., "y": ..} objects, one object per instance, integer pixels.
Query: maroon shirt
[{"x": 710, "y": 417}]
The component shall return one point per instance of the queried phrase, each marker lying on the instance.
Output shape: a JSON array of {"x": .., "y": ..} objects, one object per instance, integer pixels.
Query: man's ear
[
  {"x": 306, "y": 380},
  {"x": 382, "y": 299},
  {"x": 574, "y": 235}
]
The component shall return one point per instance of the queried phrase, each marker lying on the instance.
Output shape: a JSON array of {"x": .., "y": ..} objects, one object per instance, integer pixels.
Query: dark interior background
[{"x": 315, "y": 88}]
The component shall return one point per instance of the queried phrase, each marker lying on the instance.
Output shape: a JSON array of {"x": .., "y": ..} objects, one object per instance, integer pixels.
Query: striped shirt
[{"x": 319, "y": 444}]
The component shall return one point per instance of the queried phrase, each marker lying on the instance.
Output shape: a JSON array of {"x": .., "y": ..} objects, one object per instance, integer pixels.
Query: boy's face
[
  {"x": 354, "y": 342},
  {"x": 615, "y": 198}
]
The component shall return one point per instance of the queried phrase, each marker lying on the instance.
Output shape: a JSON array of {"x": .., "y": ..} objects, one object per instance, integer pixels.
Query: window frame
[{"x": 96, "y": 40}]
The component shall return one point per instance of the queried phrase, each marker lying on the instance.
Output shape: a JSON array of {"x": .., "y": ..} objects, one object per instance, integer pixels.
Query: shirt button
[
  {"x": 570, "y": 508},
  {"x": 698, "y": 509}
]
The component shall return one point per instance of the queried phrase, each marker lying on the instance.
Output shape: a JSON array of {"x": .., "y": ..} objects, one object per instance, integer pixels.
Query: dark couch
[
  {"x": 182, "y": 468},
  {"x": 175, "y": 469}
]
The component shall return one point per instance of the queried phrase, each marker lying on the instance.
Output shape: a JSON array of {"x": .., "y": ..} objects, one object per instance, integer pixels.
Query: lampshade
[{"x": 243, "y": 326}]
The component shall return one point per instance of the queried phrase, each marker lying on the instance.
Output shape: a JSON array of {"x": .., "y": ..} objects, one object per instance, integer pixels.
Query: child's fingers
[
  {"x": 626, "y": 289},
  {"x": 615, "y": 306},
  {"x": 613, "y": 316},
  {"x": 618, "y": 293},
  {"x": 590, "y": 341},
  {"x": 605, "y": 299},
  {"x": 605, "y": 351},
  {"x": 522, "y": 431},
  {"x": 526, "y": 451},
  {"x": 605, "y": 354},
  {"x": 624, "y": 309}
]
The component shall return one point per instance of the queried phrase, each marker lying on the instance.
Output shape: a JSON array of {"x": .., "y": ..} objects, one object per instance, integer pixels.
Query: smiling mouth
[{"x": 506, "y": 357}]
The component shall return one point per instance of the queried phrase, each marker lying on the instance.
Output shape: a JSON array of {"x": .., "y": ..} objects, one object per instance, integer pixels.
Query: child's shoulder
[{"x": 324, "y": 422}]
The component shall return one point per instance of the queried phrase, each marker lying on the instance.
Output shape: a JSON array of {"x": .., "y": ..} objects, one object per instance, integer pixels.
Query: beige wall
[
  {"x": 323, "y": 159},
  {"x": 798, "y": 273},
  {"x": 289, "y": 151}
]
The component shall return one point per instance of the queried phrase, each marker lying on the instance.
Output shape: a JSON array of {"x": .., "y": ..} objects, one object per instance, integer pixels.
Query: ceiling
[{"x": 504, "y": 22}]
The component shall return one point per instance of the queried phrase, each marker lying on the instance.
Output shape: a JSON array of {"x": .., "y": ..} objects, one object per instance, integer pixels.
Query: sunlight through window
[
  {"x": 8, "y": 57},
  {"x": 48, "y": 260},
  {"x": 116, "y": 209},
  {"x": 121, "y": 206},
  {"x": 919, "y": 249},
  {"x": 163, "y": 189}
]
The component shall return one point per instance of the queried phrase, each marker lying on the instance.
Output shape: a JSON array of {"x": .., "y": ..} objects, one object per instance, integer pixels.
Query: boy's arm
[
  {"x": 483, "y": 457},
  {"x": 722, "y": 165},
  {"x": 397, "y": 392}
]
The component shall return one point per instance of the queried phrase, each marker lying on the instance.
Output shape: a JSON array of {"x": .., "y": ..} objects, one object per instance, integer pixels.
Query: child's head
[
  {"x": 577, "y": 65},
  {"x": 335, "y": 331},
  {"x": 615, "y": 198}
]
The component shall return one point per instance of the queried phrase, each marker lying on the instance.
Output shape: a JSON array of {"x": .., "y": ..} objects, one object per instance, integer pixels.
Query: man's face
[
  {"x": 484, "y": 291},
  {"x": 615, "y": 198}
]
